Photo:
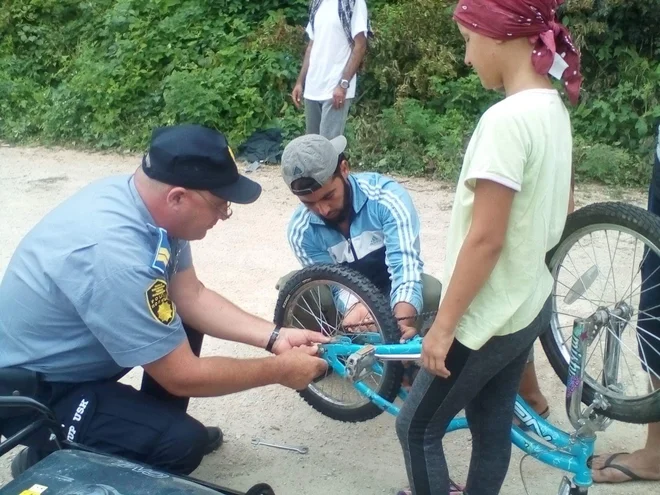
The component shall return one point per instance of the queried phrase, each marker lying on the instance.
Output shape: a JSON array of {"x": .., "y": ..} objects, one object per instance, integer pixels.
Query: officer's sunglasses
[{"x": 224, "y": 210}]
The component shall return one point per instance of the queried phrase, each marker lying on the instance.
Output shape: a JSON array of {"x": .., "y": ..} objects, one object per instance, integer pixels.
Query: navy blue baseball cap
[{"x": 197, "y": 157}]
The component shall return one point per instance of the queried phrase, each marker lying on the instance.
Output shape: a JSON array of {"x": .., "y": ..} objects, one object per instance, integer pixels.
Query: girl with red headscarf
[{"x": 510, "y": 208}]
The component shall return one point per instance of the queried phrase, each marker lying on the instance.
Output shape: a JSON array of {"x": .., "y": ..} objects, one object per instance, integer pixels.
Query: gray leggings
[{"x": 485, "y": 384}]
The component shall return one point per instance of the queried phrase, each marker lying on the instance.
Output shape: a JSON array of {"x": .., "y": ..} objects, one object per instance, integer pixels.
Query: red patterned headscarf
[{"x": 535, "y": 19}]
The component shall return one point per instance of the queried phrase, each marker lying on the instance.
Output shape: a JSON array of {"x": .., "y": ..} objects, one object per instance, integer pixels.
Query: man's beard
[{"x": 346, "y": 210}]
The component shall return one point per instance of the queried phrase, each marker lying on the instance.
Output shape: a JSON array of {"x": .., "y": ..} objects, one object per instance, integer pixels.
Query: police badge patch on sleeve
[{"x": 158, "y": 300}]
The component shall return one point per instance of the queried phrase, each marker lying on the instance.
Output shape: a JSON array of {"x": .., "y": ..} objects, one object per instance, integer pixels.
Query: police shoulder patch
[
  {"x": 162, "y": 252},
  {"x": 159, "y": 303}
]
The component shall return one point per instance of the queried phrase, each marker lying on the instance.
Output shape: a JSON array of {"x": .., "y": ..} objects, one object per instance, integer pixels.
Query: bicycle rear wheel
[{"x": 627, "y": 235}]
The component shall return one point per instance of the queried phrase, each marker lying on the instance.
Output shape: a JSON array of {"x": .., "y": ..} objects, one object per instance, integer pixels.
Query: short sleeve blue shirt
[{"x": 85, "y": 294}]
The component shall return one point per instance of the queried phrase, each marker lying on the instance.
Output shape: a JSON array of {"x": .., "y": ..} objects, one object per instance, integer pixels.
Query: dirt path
[{"x": 243, "y": 259}]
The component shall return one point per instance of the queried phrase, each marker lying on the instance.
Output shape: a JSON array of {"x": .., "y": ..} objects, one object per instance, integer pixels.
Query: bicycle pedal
[
  {"x": 565, "y": 486},
  {"x": 359, "y": 361}
]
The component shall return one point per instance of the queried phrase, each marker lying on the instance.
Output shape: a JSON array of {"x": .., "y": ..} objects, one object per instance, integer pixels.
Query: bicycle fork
[
  {"x": 587, "y": 422},
  {"x": 613, "y": 347}
]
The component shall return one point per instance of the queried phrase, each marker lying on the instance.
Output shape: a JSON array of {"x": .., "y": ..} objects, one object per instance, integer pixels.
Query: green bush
[
  {"x": 145, "y": 63},
  {"x": 103, "y": 73},
  {"x": 417, "y": 138},
  {"x": 609, "y": 164}
]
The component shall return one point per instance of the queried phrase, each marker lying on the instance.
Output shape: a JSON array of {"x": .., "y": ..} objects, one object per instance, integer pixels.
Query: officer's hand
[
  {"x": 295, "y": 337},
  {"x": 300, "y": 366},
  {"x": 358, "y": 318}
]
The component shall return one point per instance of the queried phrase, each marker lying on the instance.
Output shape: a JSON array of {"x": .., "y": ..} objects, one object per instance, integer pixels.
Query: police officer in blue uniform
[{"x": 105, "y": 283}]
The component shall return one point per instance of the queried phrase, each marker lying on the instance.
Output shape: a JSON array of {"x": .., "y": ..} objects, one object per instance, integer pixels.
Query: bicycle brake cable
[{"x": 522, "y": 477}]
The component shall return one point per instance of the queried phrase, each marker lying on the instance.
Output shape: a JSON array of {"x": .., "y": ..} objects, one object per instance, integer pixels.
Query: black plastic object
[
  {"x": 262, "y": 146},
  {"x": 74, "y": 472}
]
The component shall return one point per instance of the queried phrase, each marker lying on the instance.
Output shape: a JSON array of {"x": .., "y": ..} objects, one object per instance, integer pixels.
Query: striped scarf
[{"x": 345, "y": 15}]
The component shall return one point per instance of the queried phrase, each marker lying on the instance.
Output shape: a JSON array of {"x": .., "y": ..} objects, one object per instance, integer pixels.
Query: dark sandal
[
  {"x": 454, "y": 489},
  {"x": 609, "y": 464},
  {"x": 608, "y": 460}
]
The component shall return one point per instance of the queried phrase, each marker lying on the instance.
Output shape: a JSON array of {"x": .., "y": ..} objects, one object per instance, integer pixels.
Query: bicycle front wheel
[{"x": 599, "y": 264}]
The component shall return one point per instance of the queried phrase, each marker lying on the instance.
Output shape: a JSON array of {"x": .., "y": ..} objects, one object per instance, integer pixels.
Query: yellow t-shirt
[{"x": 525, "y": 143}]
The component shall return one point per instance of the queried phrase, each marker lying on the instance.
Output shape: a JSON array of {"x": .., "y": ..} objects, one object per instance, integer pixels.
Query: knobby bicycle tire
[{"x": 379, "y": 306}]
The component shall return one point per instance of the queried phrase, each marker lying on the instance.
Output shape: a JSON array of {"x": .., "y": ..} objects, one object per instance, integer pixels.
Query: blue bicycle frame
[{"x": 569, "y": 452}]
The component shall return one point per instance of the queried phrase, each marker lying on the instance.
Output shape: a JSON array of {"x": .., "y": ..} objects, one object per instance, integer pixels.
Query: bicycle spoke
[
  {"x": 593, "y": 248},
  {"x": 645, "y": 362},
  {"x": 616, "y": 248},
  {"x": 620, "y": 353},
  {"x": 570, "y": 334},
  {"x": 570, "y": 289},
  {"x": 639, "y": 269},
  {"x": 594, "y": 350},
  {"x": 567, "y": 314},
  {"x": 318, "y": 302},
  {"x": 338, "y": 317},
  {"x": 648, "y": 288},
  {"x": 633, "y": 269},
  {"x": 322, "y": 316},
  {"x": 655, "y": 349},
  {"x": 299, "y": 322},
  {"x": 646, "y": 311},
  {"x": 639, "y": 343},
  {"x": 585, "y": 251},
  {"x": 310, "y": 311},
  {"x": 633, "y": 352},
  {"x": 641, "y": 330},
  {"x": 610, "y": 270},
  {"x": 607, "y": 241}
]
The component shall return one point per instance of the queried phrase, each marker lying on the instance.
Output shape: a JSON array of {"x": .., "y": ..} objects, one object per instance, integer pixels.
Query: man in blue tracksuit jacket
[{"x": 365, "y": 220}]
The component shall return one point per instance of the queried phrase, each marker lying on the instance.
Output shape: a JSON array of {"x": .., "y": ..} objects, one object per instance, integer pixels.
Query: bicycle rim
[
  {"x": 581, "y": 286},
  {"x": 306, "y": 300}
]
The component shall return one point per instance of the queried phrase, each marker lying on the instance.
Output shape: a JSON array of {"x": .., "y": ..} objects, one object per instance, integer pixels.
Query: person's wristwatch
[
  {"x": 345, "y": 83},
  {"x": 273, "y": 338}
]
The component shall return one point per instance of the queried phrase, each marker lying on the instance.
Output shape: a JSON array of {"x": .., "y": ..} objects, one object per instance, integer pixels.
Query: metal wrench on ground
[{"x": 300, "y": 450}]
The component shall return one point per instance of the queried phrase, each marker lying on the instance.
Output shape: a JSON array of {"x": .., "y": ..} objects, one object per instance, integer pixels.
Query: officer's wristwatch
[
  {"x": 273, "y": 338},
  {"x": 345, "y": 83}
]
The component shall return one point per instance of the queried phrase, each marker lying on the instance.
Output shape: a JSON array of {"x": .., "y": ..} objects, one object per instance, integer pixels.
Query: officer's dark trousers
[{"x": 148, "y": 425}]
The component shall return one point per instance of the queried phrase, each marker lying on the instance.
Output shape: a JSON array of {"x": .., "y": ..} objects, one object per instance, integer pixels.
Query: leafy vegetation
[{"x": 103, "y": 73}]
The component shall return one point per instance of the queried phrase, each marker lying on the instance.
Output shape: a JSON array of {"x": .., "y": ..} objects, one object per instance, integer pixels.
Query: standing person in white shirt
[{"x": 337, "y": 31}]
